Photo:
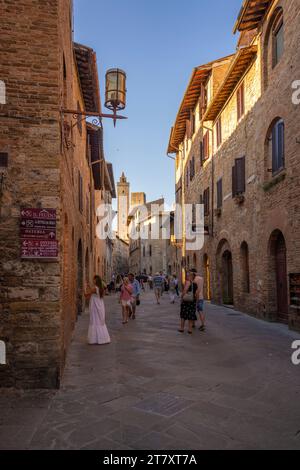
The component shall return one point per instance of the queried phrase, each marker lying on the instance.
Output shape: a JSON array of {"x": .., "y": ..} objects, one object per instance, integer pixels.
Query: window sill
[{"x": 277, "y": 178}]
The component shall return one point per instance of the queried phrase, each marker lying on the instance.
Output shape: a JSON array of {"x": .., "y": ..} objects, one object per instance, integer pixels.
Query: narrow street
[{"x": 233, "y": 387}]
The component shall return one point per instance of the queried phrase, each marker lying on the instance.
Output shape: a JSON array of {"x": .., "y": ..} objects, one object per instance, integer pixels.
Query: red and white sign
[
  {"x": 39, "y": 249},
  {"x": 45, "y": 214},
  {"x": 38, "y": 234}
]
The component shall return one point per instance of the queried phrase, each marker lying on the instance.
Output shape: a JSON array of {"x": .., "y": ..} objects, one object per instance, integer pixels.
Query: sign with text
[
  {"x": 39, "y": 249},
  {"x": 38, "y": 234}
]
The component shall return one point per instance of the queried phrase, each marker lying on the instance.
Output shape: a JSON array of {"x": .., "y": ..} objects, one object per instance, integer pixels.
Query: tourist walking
[
  {"x": 158, "y": 282},
  {"x": 136, "y": 292},
  {"x": 200, "y": 299},
  {"x": 126, "y": 299},
  {"x": 150, "y": 282},
  {"x": 188, "y": 304},
  {"x": 97, "y": 333},
  {"x": 172, "y": 289},
  {"x": 176, "y": 285}
]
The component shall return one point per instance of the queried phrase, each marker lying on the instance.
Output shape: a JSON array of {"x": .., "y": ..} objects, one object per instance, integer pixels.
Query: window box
[{"x": 239, "y": 199}]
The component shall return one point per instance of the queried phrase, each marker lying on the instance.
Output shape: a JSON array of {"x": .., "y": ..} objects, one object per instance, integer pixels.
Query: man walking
[
  {"x": 136, "y": 291},
  {"x": 158, "y": 282},
  {"x": 200, "y": 298}
]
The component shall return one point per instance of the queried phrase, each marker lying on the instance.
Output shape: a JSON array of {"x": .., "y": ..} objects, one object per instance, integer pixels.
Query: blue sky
[{"x": 157, "y": 43}]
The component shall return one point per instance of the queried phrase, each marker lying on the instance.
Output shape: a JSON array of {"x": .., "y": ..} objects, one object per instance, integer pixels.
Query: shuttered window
[
  {"x": 278, "y": 146},
  {"x": 278, "y": 42},
  {"x": 192, "y": 168},
  {"x": 239, "y": 177},
  {"x": 201, "y": 153},
  {"x": 240, "y": 101},
  {"x": 206, "y": 201},
  {"x": 219, "y": 193},
  {"x": 206, "y": 146}
]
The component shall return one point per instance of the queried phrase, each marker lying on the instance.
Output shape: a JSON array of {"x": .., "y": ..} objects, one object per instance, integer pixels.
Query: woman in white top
[{"x": 98, "y": 333}]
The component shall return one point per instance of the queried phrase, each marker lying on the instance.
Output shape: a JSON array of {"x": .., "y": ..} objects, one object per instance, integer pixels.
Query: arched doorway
[
  {"x": 79, "y": 279},
  {"x": 207, "y": 285},
  {"x": 227, "y": 278},
  {"x": 278, "y": 275}
]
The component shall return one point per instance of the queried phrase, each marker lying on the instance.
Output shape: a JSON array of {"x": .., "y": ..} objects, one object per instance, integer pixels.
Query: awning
[
  {"x": 251, "y": 14},
  {"x": 86, "y": 63},
  {"x": 237, "y": 69}
]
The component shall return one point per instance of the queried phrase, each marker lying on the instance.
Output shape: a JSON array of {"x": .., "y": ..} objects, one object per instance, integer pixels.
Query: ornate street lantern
[
  {"x": 115, "y": 90},
  {"x": 115, "y": 100}
]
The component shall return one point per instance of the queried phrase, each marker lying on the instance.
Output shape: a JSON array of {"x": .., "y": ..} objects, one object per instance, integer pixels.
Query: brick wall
[
  {"x": 267, "y": 208},
  {"x": 40, "y": 300}
]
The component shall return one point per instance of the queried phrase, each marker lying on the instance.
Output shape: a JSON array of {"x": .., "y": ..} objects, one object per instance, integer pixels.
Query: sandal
[
  {"x": 190, "y": 332},
  {"x": 180, "y": 331}
]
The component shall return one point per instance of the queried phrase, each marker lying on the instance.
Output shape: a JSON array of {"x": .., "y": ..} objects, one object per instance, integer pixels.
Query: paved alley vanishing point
[{"x": 233, "y": 387}]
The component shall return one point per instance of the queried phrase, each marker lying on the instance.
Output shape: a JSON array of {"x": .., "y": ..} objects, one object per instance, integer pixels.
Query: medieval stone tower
[{"x": 123, "y": 207}]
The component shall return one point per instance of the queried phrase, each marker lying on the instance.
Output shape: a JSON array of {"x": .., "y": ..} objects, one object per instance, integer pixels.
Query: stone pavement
[{"x": 233, "y": 387}]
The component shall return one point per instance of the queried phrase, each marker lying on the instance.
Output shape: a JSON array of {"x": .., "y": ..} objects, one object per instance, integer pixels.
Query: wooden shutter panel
[
  {"x": 233, "y": 181},
  {"x": 201, "y": 153},
  {"x": 281, "y": 144},
  {"x": 274, "y": 149},
  {"x": 219, "y": 193},
  {"x": 240, "y": 175}
]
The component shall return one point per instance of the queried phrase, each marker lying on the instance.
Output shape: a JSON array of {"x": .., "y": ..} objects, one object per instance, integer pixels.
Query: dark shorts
[{"x": 200, "y": 306}]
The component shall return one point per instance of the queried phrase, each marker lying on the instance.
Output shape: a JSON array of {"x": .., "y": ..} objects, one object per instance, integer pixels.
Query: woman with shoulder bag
[{"x": 188, "y": 304}]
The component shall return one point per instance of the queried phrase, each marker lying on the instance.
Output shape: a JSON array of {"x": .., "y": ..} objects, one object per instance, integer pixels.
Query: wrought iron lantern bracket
[{"x": 96, "y": 117}]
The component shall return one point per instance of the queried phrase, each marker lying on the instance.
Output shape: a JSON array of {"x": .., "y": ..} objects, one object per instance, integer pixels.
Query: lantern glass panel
[{"x": 115, "y": 89}]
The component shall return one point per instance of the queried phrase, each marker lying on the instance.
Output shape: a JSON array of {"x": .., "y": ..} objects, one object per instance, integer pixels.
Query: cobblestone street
[{"x": 233, "y": 387}]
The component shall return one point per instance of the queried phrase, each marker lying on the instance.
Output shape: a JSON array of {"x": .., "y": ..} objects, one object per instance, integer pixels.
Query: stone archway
[{"x": 277, "y": 277}]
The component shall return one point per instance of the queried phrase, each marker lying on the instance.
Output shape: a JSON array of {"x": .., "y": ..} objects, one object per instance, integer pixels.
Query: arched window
[
  {"x": 273, "y": 43},
  {"x": 245, "y": 268},
  {"x": 275, "y": 141},
  {"x": 277, "y": 37}
]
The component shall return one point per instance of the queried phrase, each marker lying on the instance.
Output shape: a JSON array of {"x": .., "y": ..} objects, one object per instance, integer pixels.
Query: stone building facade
[
  {"x": 148, "y": 252},
  {"x": 120, "y": 256},
  {"x": 45, "y": 160},
  {"x": 236, "y": 139}
]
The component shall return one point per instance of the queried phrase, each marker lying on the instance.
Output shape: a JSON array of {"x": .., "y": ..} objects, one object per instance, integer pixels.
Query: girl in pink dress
[
  {"x": 126, "y": 299},
  {"x": 98, "y": 333}
]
